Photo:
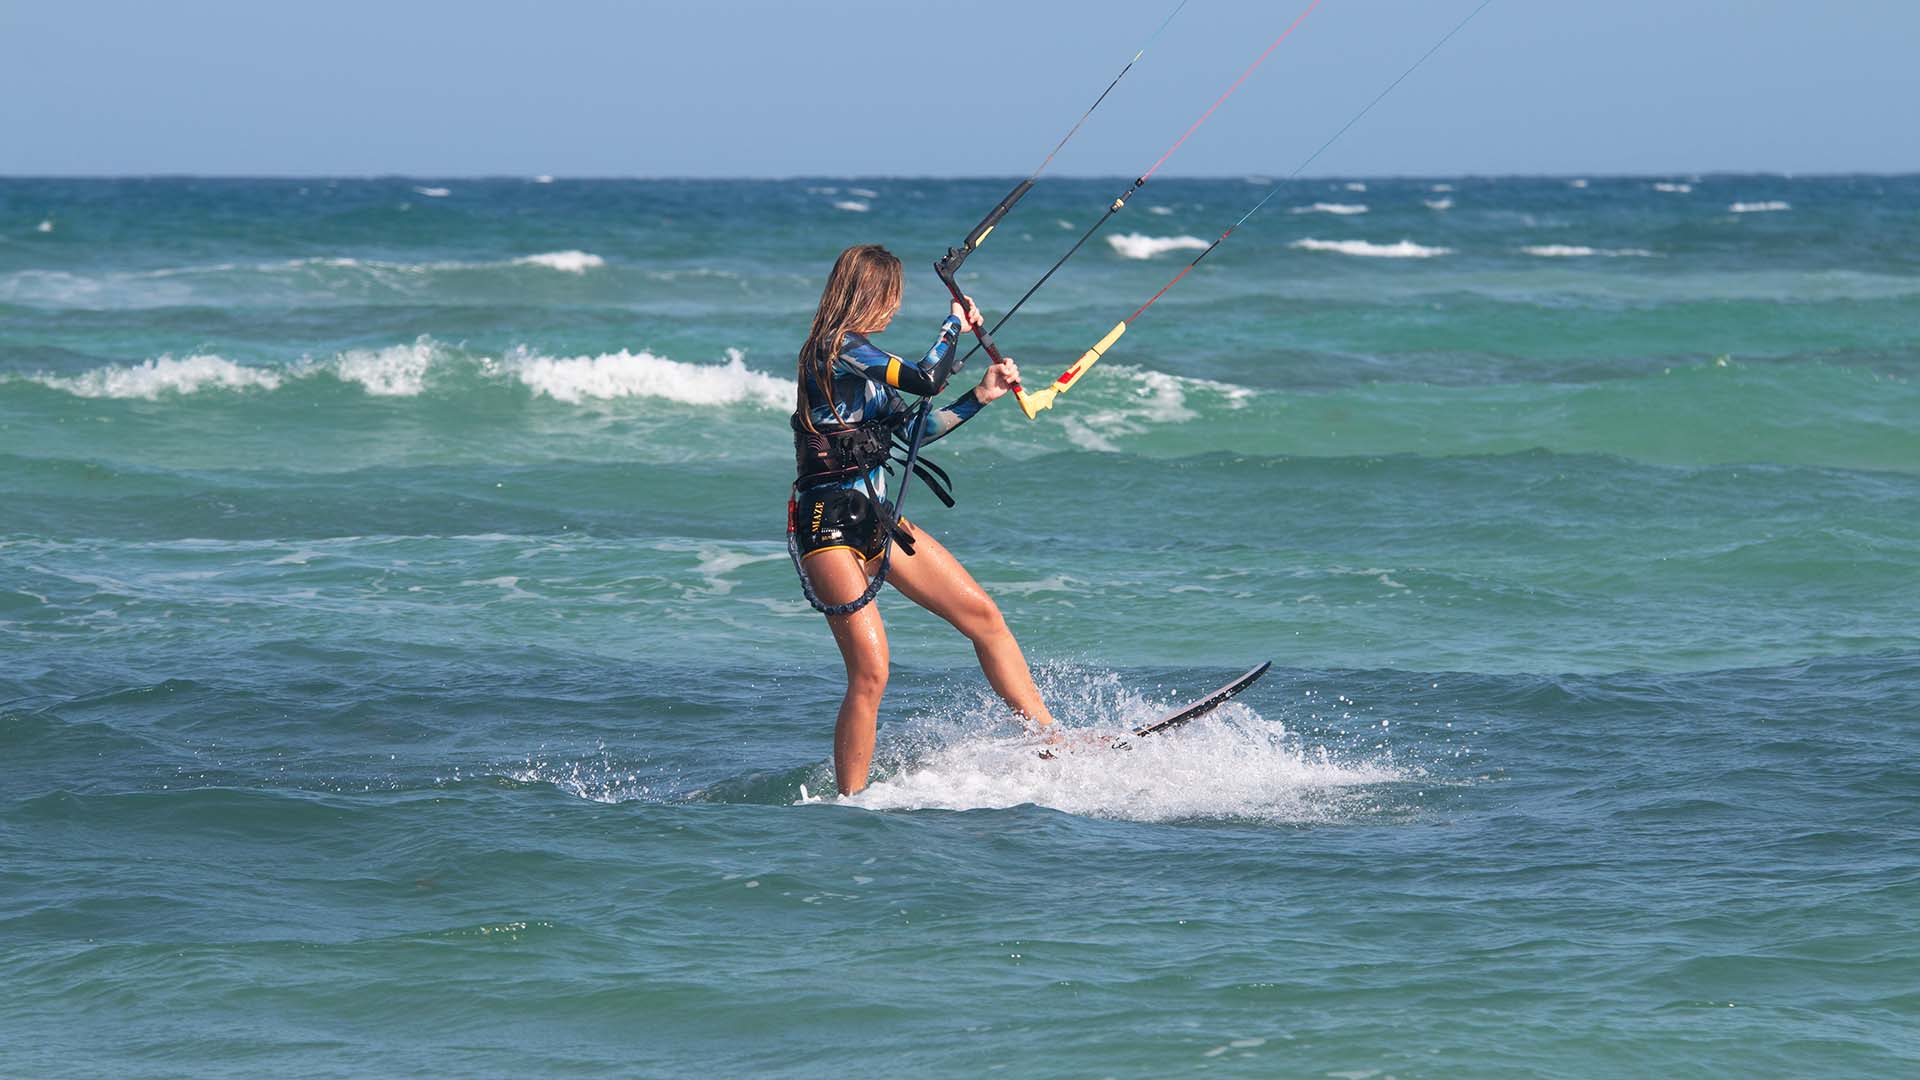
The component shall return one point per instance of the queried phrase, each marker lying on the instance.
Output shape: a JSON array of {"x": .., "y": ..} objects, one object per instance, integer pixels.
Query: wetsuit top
[{"x": 866, "y": 386}]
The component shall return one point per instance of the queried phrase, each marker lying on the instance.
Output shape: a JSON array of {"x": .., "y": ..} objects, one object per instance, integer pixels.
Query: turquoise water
[{"x": 406, "y": 677}]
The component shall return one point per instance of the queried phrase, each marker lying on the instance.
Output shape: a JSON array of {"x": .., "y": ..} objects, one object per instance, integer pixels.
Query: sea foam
[
  {"x": 854, "y": 206},
  {"x": 1142, "y": 246},
  {"x": 1405, "y": 249},
  {"x": 1773, "y": 207},
  {"x": 1330, "y": 208}
]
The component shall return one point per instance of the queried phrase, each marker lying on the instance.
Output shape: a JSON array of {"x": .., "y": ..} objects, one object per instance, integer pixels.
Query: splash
[{"x": 1234, "y": 764}]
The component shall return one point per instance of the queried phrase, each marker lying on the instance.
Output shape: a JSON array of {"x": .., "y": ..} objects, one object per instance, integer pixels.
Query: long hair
[{"x": 861, "y": 294}]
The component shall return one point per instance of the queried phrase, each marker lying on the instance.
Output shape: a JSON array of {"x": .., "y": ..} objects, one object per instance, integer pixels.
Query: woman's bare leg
[
  {"x": 934, "y": 579},
  {"x": 838, "y": 578}
]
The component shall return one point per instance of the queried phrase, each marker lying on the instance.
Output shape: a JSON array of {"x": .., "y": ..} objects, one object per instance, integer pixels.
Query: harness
[{"x": 857, "y": 449}]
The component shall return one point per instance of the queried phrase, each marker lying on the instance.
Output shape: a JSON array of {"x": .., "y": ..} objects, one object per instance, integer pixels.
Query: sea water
[{"x": 404, "y": 673}]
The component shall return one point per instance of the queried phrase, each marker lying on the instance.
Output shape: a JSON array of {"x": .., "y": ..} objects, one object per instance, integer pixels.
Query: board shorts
[{"x": 826, "y": 518}]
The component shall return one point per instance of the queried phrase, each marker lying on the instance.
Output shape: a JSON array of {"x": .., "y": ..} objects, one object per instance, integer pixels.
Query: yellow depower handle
[{"x": 1031, "y": 404}]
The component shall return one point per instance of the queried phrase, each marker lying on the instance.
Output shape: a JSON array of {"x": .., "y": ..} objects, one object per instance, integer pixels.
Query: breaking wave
[
  {"x": 1141, "y": 246},
  {"x": 1772, "y": 207},
  {"x": 1330, "y": 208},
  {"x": 1577, "y": 251},
  {"x": 568, "y": 262},
  {"x": 1405, "y": 249},
  {"x": 410, "y": 370}
]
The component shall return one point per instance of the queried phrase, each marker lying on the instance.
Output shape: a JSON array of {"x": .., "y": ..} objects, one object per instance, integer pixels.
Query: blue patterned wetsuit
[{"x": 866, "y": 385}]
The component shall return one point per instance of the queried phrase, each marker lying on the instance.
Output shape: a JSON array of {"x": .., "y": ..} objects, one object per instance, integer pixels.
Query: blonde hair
[{"x": 861, "y": 294}]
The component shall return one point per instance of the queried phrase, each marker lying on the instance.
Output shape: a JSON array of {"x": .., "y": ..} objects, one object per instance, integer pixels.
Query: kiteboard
[
  {"x": 1184, "y": 714},
  {"x": 1188, "y": 713}
]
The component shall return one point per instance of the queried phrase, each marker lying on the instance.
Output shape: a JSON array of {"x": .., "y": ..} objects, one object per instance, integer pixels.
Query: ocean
[{"x": 405, "y": 675}]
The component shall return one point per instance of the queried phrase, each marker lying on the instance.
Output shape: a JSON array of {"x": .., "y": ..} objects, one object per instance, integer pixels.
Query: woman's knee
[
  {"x": 867, "y": 680},
  {"x": 980, "y": 620}
]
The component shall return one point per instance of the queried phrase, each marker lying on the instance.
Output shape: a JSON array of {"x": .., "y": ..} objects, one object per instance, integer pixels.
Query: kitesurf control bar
[{"x": 949, "y": 264}]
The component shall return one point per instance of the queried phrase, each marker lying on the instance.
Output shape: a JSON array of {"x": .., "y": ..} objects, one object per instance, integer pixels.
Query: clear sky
[{"x": 915, "y": 87}]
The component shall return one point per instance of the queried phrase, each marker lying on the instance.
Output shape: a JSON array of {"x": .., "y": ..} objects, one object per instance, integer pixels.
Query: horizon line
[{"x": 1695, "y": 175}]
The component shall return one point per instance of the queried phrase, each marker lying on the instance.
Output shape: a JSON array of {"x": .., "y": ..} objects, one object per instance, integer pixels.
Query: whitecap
[
  {"x": 45, "y": 226},
  {"x": 852, "y": 206},
  {"x": 1673, "y": 188},
  {"x": 1141, "y": 246},
  {"x": 1355, "y": 185},
  {"x": 1438, "y": 204},
  {"x": 864, "y": 193},
  {"x": 567, "y": 262},
  {"x": 608, "y": 376},
  {"x": 1441, "y": 187},
  {"x": 1576, "y": 183},
  {"x": 1161, "y": 211},
  {"x": 433, "y": 192},
  {"x": 1342, "y": 209},
  {"x": 1576, "y": 251},
  {"x": 395, "y": 371},
  {"x": 1772, "y": 207},
  {"x": 543, "y": 179},
  {"x": 165, "y": 375},
  {"x": 1405, "y": 249}
]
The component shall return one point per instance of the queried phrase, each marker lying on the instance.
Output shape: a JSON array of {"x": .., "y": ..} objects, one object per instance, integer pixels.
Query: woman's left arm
[{"x": 997, "y": 380}]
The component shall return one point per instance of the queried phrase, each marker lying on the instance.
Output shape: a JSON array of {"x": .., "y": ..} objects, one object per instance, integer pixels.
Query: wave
[
  {"x": 405, "y": 371},
  {"x": 1142, "y": 246},
  {"x": 1330, "y": 208},
  {"x": 855, "y": 206},
  {"x": 1772, "y": 207},
  {"x": 45, "y": 226},
  {"x": 1405, "y": 249},
  {"x": 611, "y": 376},
  {"x": 864, "y": 193},
  {"x": 1576, "y": 251},
  {"x": 1355, "y": 185},
  {"x": 164, "y": 375},
  {"x": 1151, "y": 398},
  {"x": 1577, "y": 184},
  {"x": 183, "y": 285},
  {"x": 1438, "y": 204},
  {"x": 1673, "y": 188},
  {"x": 433, "y": 192},
  {"x": 569, "y": 262}
]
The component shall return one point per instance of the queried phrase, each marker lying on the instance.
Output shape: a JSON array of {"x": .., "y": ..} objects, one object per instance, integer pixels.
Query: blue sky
[{"x": 904, "y": 87}]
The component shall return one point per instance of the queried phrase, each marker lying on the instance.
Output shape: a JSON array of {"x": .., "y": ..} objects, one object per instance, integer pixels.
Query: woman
[{"x": 849, "y": 406}]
